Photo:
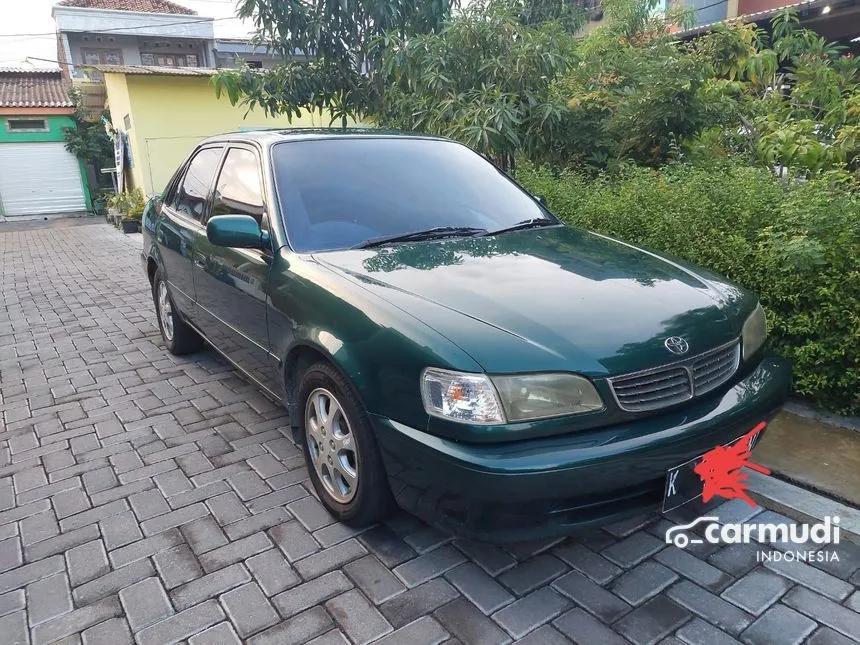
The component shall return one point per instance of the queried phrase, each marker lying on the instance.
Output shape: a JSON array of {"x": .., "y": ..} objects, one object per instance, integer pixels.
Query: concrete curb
[
  {"x": 803, "y": 410},
  {"x": 801, "y": 504}
]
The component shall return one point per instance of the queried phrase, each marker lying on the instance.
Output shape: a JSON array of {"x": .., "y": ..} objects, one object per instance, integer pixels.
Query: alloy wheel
[
  {"x": 331, "y": 444},
  {"x": 165, "y": 311}
]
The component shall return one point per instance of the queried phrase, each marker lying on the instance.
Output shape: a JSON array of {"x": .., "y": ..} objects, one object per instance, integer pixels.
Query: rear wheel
[
  {"x": 178, "y": 336},
  {"x": 340, "y": 449}
]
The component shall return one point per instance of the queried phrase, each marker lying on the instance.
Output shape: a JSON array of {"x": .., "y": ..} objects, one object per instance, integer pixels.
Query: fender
[{"x": 309, "y": 347}]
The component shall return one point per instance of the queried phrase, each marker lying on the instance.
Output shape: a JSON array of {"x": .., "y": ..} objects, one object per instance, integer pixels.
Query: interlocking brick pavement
[{"x": 152, "y": 499}]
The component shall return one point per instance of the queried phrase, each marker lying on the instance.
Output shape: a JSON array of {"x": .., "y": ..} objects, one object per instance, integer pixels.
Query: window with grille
[{"x": 27, "y": 125}]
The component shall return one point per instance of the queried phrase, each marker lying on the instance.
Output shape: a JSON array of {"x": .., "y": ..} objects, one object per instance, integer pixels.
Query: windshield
[{"x": 341, "y": 193}]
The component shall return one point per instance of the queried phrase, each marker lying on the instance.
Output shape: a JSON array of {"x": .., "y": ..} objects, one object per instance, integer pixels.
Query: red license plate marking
[{"x": 683, "y": 484}]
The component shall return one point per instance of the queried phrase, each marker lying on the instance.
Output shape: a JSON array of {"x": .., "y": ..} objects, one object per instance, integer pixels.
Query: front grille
[
  {"x": 671, "y": 384},
  {"x": 714, "y": 368}
]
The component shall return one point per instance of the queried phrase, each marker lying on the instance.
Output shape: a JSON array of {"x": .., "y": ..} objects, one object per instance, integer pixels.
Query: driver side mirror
[
  {"x": 237, "y": 231},
  {"x": 540, "y": 199}
]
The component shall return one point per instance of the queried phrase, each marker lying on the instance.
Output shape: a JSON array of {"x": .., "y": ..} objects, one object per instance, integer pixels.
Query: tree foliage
[
  {"x": 633, "y": 91},
  {"x": 482, "y": 80},
  {"x": 342, "y": 44},
  {"x": 330, "y": 48},
  {"x": 789, "y": 99},
  {"x": 88, "y": 140},
  {"x": 506, "y": 83}
]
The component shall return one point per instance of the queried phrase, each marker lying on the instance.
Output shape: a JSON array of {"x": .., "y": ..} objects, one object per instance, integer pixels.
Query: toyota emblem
[{"x": 676, "y": 345}]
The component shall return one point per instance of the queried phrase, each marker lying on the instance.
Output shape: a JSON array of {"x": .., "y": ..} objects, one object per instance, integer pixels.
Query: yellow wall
[
  {"x": 119, "y": 103},
  {"x": 169, "y": 115}
]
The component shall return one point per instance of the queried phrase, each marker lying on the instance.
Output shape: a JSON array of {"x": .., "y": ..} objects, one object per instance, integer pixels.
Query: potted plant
[
  {"x": 133, "y": 211},
  {"x": 114, "y": 205},
  {"x": 100, "y": 203}
]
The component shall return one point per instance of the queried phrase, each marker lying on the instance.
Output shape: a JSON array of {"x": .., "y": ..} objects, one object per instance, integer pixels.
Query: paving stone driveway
[{"x": 153, "y": 499}]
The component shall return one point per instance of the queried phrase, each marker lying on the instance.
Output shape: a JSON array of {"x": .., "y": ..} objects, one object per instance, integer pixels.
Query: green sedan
[{"x": 443, "y": 342}]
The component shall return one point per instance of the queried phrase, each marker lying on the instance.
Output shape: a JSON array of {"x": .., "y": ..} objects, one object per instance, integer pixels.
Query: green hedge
[{"x": 795, "y": 244}]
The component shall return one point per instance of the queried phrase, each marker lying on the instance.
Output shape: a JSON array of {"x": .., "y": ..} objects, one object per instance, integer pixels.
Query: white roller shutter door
[{"x": 39, "y": 179}]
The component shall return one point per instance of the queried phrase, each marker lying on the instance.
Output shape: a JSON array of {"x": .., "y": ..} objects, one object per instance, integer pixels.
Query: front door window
[{"x": 239, "y": 190}]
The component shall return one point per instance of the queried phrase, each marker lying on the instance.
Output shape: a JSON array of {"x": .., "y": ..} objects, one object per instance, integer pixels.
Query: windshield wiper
[
  {"x": 428, "y": 234},
  {"x": 535, "y": 222}
]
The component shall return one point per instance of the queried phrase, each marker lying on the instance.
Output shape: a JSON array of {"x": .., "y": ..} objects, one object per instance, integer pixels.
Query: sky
[{"x": 34, "y": 17}]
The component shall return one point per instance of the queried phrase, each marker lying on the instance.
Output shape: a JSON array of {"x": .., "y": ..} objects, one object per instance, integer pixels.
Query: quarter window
[
  {"x": 190, "y": 197},
  {"x": 239, "y": 190}
]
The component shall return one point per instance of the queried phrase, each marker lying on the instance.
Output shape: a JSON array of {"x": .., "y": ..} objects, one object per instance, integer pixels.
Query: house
[
  {"x": 164, "y": 112},
  {"x": 155, "y": 33},
  {"x": 38, "y": 176},
  {"x": 131, "y": 32},
  {"x": 152, "y": 33}
]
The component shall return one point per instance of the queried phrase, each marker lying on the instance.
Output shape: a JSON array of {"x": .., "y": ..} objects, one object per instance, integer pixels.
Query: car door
[
  {"x": 182, "y": 213},
  {"x": 231, "y": 284}
]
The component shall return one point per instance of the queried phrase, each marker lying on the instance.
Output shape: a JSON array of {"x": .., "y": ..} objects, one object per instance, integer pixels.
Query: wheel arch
[
  {"x": 304, "y": 353},
  {"x": 151, "y": 268}
]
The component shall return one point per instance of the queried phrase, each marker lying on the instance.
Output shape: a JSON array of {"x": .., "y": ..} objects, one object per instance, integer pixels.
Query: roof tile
[
  {"x": 146, "y": 6},
  {"x": 33, "y": 88},
  {"x": 152, "y": 70}
]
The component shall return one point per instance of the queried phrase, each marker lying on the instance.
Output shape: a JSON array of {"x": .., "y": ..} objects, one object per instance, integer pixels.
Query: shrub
[
  {"x": 130, "y": 205},
  {"x": 797, "y": 244}
]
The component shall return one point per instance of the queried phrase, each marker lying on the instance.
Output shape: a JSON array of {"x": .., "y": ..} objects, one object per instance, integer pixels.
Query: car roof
[{"x": 269, "y": 136}]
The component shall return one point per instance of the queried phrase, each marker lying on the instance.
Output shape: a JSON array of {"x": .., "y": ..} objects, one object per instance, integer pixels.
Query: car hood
[{"x": 551, "y": 298}]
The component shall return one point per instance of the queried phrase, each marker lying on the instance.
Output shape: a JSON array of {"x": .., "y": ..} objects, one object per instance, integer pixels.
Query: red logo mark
[{"x": 720, "y": 468}]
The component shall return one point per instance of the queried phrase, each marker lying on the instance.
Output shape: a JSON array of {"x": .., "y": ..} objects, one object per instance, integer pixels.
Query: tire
[
  {"x": 178, "y": 336},
  {"x": 348, "y": 447}
]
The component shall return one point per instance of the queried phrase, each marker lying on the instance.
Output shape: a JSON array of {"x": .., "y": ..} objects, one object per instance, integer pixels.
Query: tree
[
  {"x": 338, "y": 43},
  {"x": 511, "y": 77},
  {"x": 633, "y": 90},
  {"x": 791, "y": 100},
  {"x": 88, "y": 140},
  {"x": 482, "y": 80}
]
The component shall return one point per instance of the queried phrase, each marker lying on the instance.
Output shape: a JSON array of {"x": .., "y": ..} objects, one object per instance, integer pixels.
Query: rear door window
[{"x": 190, "y": 196}]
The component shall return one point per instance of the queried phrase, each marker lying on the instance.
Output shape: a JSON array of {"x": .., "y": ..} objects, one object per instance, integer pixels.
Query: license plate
[{"x": 683, "y": 485}]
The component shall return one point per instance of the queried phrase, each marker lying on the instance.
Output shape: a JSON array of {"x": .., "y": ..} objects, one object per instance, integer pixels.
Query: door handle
[{"x": 200, "y": 261}]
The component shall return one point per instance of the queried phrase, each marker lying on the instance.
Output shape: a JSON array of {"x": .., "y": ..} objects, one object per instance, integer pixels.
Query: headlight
[
  {"x": 480, "y": 399},
  {"x": 470, "y": 398},
  {"x": 538, "y": 396},
  {"x": 754, "y": 332}
]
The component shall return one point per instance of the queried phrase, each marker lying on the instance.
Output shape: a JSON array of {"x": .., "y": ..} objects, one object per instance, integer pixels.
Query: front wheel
[{"x": 340, "y": 449}]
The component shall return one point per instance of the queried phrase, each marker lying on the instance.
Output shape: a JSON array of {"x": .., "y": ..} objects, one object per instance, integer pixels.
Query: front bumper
[{"x": 542, "y": 488}]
